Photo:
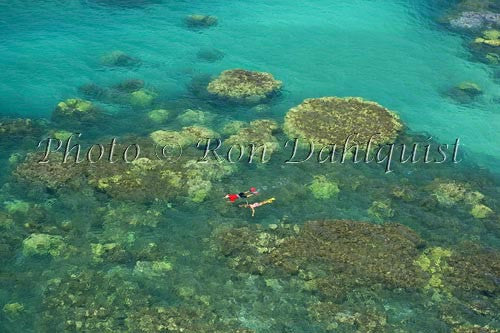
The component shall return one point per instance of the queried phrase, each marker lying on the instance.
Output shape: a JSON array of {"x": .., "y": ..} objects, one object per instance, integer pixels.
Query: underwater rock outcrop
[
  {"x": 52, "y": 175},
  {"x": 487, "y": 46},
  {"x": 42, "y": 244},
  {"x": 210, "y": 55},
  {"x": 188, "y": 136},
  {"x": 146, "y": 180},
  {"x": 119, "y": 59},
  {"x": 258, "y": 133},
  {"x": 19, "y": 128},
  {"x": 331, "y": 120},
  {"x": 110, "y": 301},
  {"x": 322, "y": 188},
  {"x": 332, "y": 257},
  {"x": 243, "y": 86},
  {"x": 201, "y": 21},
  {"x": 76, "y": 111},
  {"x": 475, "y": 14},
  {"x": 465, "y": 92},
  {"x": 451, "y": 193}
]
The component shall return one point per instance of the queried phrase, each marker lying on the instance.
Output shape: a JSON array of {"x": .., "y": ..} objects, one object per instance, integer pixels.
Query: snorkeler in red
[{"x": 242, "y": 195}]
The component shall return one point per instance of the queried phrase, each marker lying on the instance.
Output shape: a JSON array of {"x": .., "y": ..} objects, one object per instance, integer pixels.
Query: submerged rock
[
  {"x": 76, "y": 111},
  {"x": 19, "y": 127},
  {"x": 331, "y": 120},
  {"x": 243, "y": 86},
  {"x": 322, "y": 188},
  {"x": 42, "y": 244},
  {"x": 201, "y": 21},
  {"x": 465, "y": 92},
  {"x": 475, "y": 20},
  {"x": 333, "y": 257},
  {"x": 191, "y": 117},
  {"x": 52, "y": 175},
  {"x": 119, "y": 59},
  {"x": 142, "y": 98},
  {"x": 159, "y": 115},
  {"x": 210, "y": 55}
]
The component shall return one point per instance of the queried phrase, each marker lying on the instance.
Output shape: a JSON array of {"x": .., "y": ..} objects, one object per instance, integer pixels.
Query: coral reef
[
  {"x": 13, "y": 310},
  {"x": 119, "y": 59},
  {"x": 201, "y": 21},
  {"x": 465, "y": 92},
  {"x": 51, "y": 175},
  {"x": 75, "y": 110},
  {"x": 433, "y": 261},
  {"x": 210, "y": 55},
  {"x": 451, "y": 193},
  {"x": 258, "y": 133},
  {"x": 44, "y": 244},
  {"x": 147, "y": 180},
  {"x": 332, "y": 257},
  {"x": 321, "y": 188},
  {"x": 159, "y": 115},
  {"x": 480, "y": 211},
  {"x": 243, "y": 86},
  {"x": 142, "y": 98},
  {"x": 188, "y": 136},
  {"x": 331, "y": 120},
  {"x": 475, "y": 20},
  {"x": 19, "y": 128},
  {"x": 381, "y": 210},
  {"x": 191, "y": 117}
]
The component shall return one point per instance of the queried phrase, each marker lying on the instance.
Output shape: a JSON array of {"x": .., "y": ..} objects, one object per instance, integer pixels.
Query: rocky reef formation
[
  {"x": 331, "y": 120},
  {"x": 19, "y": 128},
  {"x": 342, "y": 261},
  {"x": 201, "y": 21},
  {"x": 52, "y": 175},
  {"x": 243, "y": 86},
  {"x": 75, "y": 111},
  {"x": 119, "y": 59},
  {"x": 258, "y": 133}
]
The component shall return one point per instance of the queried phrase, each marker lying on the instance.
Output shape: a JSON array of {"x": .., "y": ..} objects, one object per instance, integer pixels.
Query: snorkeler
[
  {"x": 243, "y": 195},
  {"x": 257, "y": 204}
]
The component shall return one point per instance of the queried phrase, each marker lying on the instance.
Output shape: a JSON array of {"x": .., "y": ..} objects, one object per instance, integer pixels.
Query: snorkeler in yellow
[{"x": 257, "y": 204}]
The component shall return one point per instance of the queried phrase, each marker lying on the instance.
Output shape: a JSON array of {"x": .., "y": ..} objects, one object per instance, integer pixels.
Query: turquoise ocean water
[
  {"x": 392, "y": 52},
  {"x": 396, "y": 53}
]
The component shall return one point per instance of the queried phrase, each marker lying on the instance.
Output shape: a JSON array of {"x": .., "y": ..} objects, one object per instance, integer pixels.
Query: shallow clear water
[{"x": 392, "y": 52}]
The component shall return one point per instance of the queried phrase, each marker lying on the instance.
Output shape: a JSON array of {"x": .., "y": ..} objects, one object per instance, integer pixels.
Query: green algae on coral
[
  {"x": 334, "y": 256},
  {"x": 243, "y": 86},
  {"x": 191, "y": 117},
  {"x": 256, "y": 137},
  {"x": 119, "y": 59},
  {"x": 142, "y": 98},
  {"x": 433, "y": 262},
  {"x": 53, "y": 175},
  {"x": 321, "y": 188},
  {"x": 76, "y": 110},
  {"x": 480, "y": 211},
  {"x": 44, "y": 244},
  {"x": 381, "y": 210},
  {"x": 190, "y": 135},
  {"x": 158, "y": 115},
  {"x": 332, "y": 120},
  {"x": 13, "y": 310},
  {"x": 19, "y": 127},
  {"x": 152, "y": 269},
  {"x": 490, "y": 37}
]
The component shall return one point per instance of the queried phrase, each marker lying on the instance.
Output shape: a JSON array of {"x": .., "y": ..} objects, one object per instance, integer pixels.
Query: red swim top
[{"x": 233, "y": 197}]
